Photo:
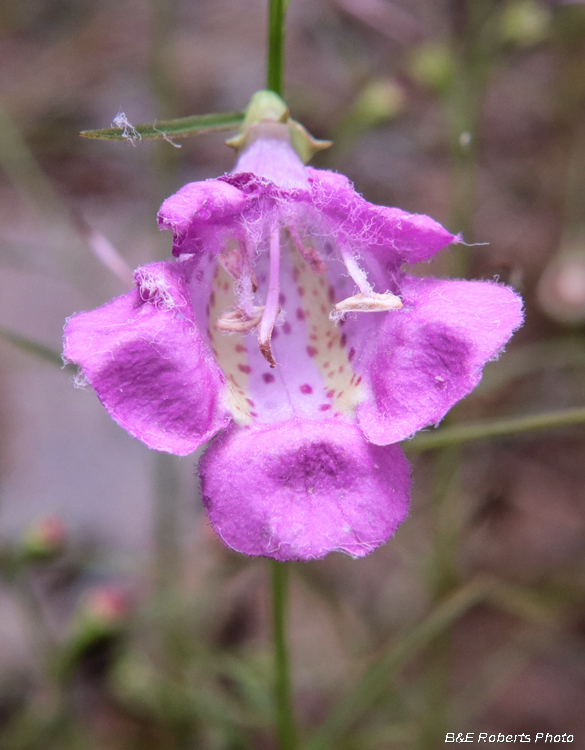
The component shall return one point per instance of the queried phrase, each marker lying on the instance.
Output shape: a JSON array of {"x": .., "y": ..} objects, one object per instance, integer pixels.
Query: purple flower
[{"x": 288, "y": 328}]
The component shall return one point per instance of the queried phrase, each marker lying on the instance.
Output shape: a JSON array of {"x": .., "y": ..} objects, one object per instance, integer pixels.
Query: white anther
[
  {"x": 237, "y": 321},
  {"x": 369, "y": 302}
]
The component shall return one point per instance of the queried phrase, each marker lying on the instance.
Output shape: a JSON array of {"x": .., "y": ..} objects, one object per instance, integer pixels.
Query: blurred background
[{"x": 123, "y": 622}]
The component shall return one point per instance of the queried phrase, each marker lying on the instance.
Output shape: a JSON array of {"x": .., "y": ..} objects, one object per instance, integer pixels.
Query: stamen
[
  {"x": 236, "y": 261},
  {"x": 239, "y": 321},
  {"x": 309, "y": 253},
  {"x": 355, "y": 271},
  {"x": 271, "y": 308},
  {"x": 369, "y": 302}
]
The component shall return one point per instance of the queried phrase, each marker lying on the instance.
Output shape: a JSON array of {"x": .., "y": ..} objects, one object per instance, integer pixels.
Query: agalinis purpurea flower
[{"x": 287, "y": 330}]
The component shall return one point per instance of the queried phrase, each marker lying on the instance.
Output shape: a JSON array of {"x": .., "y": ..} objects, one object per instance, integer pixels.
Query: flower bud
[
  {"x": 525, "y": 22},
  {"x": 45, "y": 538},
  {"x": 107, "y": 605},
  {"x": 432, "y": 65}
]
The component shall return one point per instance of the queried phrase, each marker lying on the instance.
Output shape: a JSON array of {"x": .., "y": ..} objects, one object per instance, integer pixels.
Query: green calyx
[{"x": 268, "y": 107}]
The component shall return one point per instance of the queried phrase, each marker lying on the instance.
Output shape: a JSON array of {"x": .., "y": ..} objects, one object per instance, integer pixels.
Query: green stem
[
  {"x": 463, "y": 433},
  {"x": 275, "y": 61},
  {"x": 443, "y": 579},
  {"x": 167, "y": 528},
  {"x": 384, "y": 669},
  {"x": 287, "y": 735},
  {"x": 474, "y": 46}
]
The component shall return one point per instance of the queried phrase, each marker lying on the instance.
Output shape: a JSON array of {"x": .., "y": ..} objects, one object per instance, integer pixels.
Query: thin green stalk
[
  {"x": 32, "y": 347},
  {"x": 443, "y": 578},
  {"x": 474, "y": 46},
  {"x": 385, "y": 668},
  {"x": 285, "y": 722},
  {"x": 286, "y": 729},
  {"x": 463, "y": 433},
  {"x": 167, "y": 527},
  {"x": 275, "y": 61}
]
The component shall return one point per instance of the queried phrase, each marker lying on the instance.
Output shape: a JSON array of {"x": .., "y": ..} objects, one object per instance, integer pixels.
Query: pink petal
[
  {"x": 391, "y": 235},
  {"x": 300, "y": 489},
  {"x": 148, "y": 363},
  {"x": 431, "y": 353}
]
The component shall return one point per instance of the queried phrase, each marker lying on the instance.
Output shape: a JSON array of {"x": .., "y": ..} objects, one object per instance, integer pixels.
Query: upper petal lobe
[
  {"x": 392, "y": 235},
  {"x": 199, "y": 213}
]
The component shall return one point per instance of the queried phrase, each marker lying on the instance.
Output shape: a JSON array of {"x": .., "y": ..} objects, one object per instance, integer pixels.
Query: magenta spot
[
  {"x": 268, "y": 377},
  {"x": 274, "y": 333},
  {"x": 245, "y": 368},
  {"x": 331, "y": 294},
  {"x": 300, "y": 314},
  {"x": 212, "y": 299},
  {"x": 359, "y": 380},
  {"x": 306, "y": 388},
  {"x": 249, "y": 400},
  {"x": 240, "y": 348},
  {"x": 330, "y": 394},
  {"x": 286, "y": 328},
  {"x": 311, "y": 351},
  {"x": 325, "y": 407},
  {"x": 343, "y": 339},
  {"x": 281, "y": 299},
  {"x": 351, "y": 354},
  {"x": 323, "y": 309},
  {"x": 301, "y": 291},
  {"x": 340, "y": 368},
  {"x": 253, "y": 414}
]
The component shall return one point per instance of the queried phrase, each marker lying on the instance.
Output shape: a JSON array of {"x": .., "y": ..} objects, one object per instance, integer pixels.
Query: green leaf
[{"x": 167, "y": 129}]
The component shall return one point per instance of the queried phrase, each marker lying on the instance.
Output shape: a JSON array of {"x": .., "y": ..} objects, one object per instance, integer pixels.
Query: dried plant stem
[{"x": 286, "y": 729}]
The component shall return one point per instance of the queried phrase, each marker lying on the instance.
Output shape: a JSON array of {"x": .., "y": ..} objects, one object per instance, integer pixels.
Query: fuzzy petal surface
[
  {"x": 431, "y": 353},
  {"x": 301, "y": 489},
  {"x": 148, "y": 363},
  {"x": 393, "y": 235},
  {"x": 200, "y": 211}
]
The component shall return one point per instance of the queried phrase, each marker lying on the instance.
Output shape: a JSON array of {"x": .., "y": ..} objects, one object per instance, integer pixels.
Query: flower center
[
  {"x": 307, "y": 341},
  {"x": 245, "y": 316}
]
